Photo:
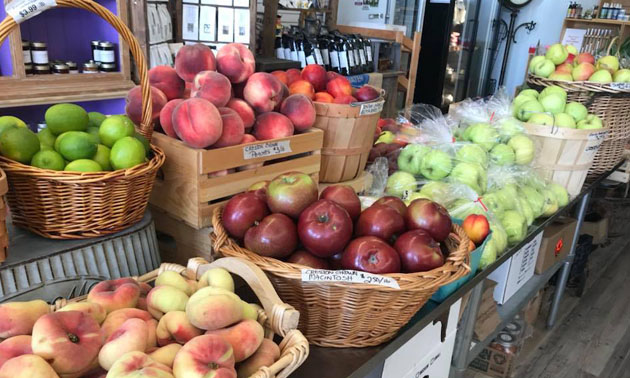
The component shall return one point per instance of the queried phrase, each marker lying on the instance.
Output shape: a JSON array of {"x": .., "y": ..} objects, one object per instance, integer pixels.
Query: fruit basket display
[
  {"x": 74, "y": 205},
  {"x": 4, "y": 236}
]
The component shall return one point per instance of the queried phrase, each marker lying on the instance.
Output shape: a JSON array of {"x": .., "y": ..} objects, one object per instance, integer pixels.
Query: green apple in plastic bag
[
  {"x": 400, "y": 183},
  {"x": 534, "y": 198},
  {"x": 472, "y": 153},
  {"x": 471, "y": 174},
  {"x": 502, "y": 154},
  {"x": 414, "y": 196},
  {"x": 410, "y": 158},
  {"x": 551, "y": 203},
  {"x": 523, "y": 148},
  {"x": 562, "y": 196},
  {"x": 493, "y": 203},
  {"x": 508, "y": 127},
  {"x": 461, "y": 208},
  {"x": 526, "y": 210},
  {"x": 436, "y": 165},
  {"x": 515, "y": 226},
  {"x": 499, "y": 236},
  {"x": 507, "y": 197},
  {"x": 434, "y": 189},
  {"x": 484, "y": 135},
  {"x": 489, "y": 254}
]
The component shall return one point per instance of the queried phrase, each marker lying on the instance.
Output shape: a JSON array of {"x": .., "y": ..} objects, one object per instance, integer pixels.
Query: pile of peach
[{"x": 179, "y": 328}]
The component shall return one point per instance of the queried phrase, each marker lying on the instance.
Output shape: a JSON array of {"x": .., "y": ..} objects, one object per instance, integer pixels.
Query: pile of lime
[{"x": 74, "y": 140}]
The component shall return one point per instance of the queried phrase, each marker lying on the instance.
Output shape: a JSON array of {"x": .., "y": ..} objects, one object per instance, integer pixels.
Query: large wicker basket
[
  {"x": 611, "y": 103},
  {"x": 335, "y": 314},
  {"x": 278, "y": 318},
  {"x": 71, "y": 205}
]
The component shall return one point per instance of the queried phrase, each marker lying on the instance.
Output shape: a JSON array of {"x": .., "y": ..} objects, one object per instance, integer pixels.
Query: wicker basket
[
  {"x": 4, "y": 235},
  {"x": 334, "y": 314},
  {"x": 70, "y": 205},
  {"x": 608, "y": 101},
  {"x": 277, "y": 318}
]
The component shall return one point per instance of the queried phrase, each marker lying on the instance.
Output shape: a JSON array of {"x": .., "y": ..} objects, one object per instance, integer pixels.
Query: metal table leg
[
  {"x": 566, "y": 268},
  {"x": 465, "y": 332}
]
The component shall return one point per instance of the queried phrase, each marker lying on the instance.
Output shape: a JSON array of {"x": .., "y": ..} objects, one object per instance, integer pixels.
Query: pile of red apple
[
  {"x": 287, "y": 219},
  {"x": 178, "y": 329}
]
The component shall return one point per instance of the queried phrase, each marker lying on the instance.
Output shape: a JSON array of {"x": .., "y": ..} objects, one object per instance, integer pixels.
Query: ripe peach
[
  {"x": 165, "y": 78},
  {"x": 248, "y": 138},
  {"x": 273, "y": 125},
  {"x": 217, "y": 277},
  {"x": 245, "y": 338},
  {"x": 152, "y": 328},
  {"x": 69, "y": 341},
  {"x": 115, "y": 294},
  {"x": 282, "y": 76},
  {"x": 266, "y": 355},
  {"x": 212, "y": 308},
  {"x": 116, "y": 318},
  {"x": 205, "y": 356},
  {"x": 15, "y": 346},
  {"x": 131, "y": 336},
  {"x": 300, "y": 110},
  {"x": 323, "y": 97},
  {"x": 212, "y": 86},
  {"x": 192, "y": 59},
  {"x": 366, "y": 93},
  {"x": 166, "y": 354},
  {"x": 176, "y": 280},
  {"x": 316, "y": 75},
  {"x": 263, "y": 92},
  {"x": 339, "y": 86},
  {"x": 166, "y": 117},
  {"x": 18, "y": 318},
  {"x": 163, "y": 299},
  {"x": 27, "y": 366},
  {"x": 189, "y": 86},
  {"x": 344, "y": 100},
  {"x": 235, "y": 61},
  {"x": 302, "y": 87},
  {"x": 233, "y": 129},
  {"x": 244, "y": 111},
  {"x": 174, "y": 327},
  {"x": 293, "y": 74},
  {"x": 134, "y": 104},
  {"x": 95, "y": 310},
  {"x": 138, "y": 365},
  {"x": 197, "y": 122},
  {"x": 332, "y": 75}
]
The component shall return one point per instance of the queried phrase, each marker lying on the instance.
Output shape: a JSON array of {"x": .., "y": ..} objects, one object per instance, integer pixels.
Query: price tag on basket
[
  {"x": 255, "y": 151},
  {"x": 22, "y": 10},
  {"x": 371, "y": 108},
  {"x": 349, "y": 276},
  {"x": 620, "y": 86}
]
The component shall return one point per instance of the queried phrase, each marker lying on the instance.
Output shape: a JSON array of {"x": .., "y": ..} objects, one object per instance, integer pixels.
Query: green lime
[
  {"x": 83, "y": 165},
  {"x": 126, "y": 153},
  {"x": 102, "y": 157},
  {"x": 93, "y": 130},
  {"x": 45, "y": 147},
  {"x": 58, "y": 141},
  {"x": 114, "y": 128},
  {"x": 19, "y": 143},
  {"x": 95, "y": 119},
  {"x": 48, "y": 159},
  {"x": 143, "y": 140},
  {"x": 66, "y": 117},
  {"x": 6, "y": 121},
  {"x": 46, "y": 137},
  {"x": 77, "y": 145}
]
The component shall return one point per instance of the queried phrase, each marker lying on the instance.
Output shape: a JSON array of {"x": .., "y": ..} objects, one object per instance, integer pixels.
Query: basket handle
[
  {"x": 284, "y": 317},
  {"x": 8, "y": 24}
]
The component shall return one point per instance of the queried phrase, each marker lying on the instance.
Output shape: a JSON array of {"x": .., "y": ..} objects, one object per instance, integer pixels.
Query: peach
[
  {"x": 266, "y": 355},
  {"x": 245, "y": 338},
  {"x": 163, "y": 299},
  {"x": 165, "y": 78},
  {"x": 212, "y": 86},
  {"x": 144, "y": 288},
  {"x": 263, "y": 92},
  {"x": 302, "y": 87},
  {"x": 166, "y": 117},
  {"x": 192, "y": 59},
  {"x": 282, "y": 76},
  {"x": 323, "y": 97},
  {"x": 332, "y": 75},
  {"x": 197, "y": 122},
  {"x": 316, "y": 75},
  {"x": 18, "y": 318},
  {"x": 233, "y": 129},
  {"x": 248, "y": 138},
  {"x": 217, "y": 277},
  {"x": 367, "y": 93},
  {"x": 235, "y": 61},
  {"x": 152, "y": 328},
  {"x": 166, "y": 354},
  {"x": 176, "y": 280},
  {"x": 138, "y": 365},
  {"x": 131, "y": 336},
  {"x": 115, "y": 294},
  {"x": 293, "y": 74},
  {"x": 244, "y": 111},
  {"x": 189, "y": 87},
  {"x": 69, "y": 341},
  {"x": 174, "y": 327},
  {"x": 300, "y": 110},
  {"x": 250, "y": 310},
  {"x": 212, "y": 308},
  {"x": 27, "y": 366},
  {"x": 15, "y": 346},
  {"x": 273, "y": 125},
  {"x": 205, "y": 356},
  {"x": 344, "y": 100},
  {"x": 116, "y": 318},
  {"x": 339, "y": 86},
  {"x": 133, "y": 109},
  {"x": 95, "y": 310}
]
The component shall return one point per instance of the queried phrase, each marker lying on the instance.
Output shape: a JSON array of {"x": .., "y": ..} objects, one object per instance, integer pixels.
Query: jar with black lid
[
  {"x": 26, "y": 52},
  {"x": 39, "y": 52},
  {"x": 106, "y": 52},
  {"x": 72, "y": 66},
  {"x": 96, "y": 52},
  {"x": 107, "y": 67},
  {"x": 60, "y": 69},
  {"x": 41, "y": 69},
  {"x": 28, "y": 68},
  {"x": 90, "y": 67}
]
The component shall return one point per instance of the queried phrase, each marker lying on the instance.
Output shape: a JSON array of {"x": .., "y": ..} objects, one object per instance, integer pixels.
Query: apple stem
[
  {"x": 323, "y": 218},
  {"x": 213, "y": 365},
  {"x": 74, "y": 338}
]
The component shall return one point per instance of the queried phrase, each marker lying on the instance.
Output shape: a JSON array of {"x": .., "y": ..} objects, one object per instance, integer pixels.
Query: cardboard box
[
  {"x": 493, "y": 363},
  {"x": 488, "y": 318},
  {"x": 597, "y": 229},
  {"x": 437, "y": 364},
  {"x": 532, "y": 309},
  {"x": 556, "y": 243},
  {"x": 516, "y": 271}
]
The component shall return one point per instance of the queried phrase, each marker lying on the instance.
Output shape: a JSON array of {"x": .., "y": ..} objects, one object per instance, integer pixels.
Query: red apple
[
  {"x": 260, "y": 188},
  {"x": 382, "y": 221},
  {"x": 275, "y": 236},
  {"x": 476, "y": 227},
  {"x": 316, "y": 75},
  {"x": 370, "y": 254},
  {"x": 429, "y": 216},
  {"x": 344, "y": 196},
  {"x": 393, "y": 202},
  {"x": 242, "y": 212},
  {"x": 585, "y": 58},
  {"x": 418, "y": 251},
  {"x": 290, "y": 193},
  {"x": 335, "y": 261},
  {"x": 324, "y": 228},
  {"x": 366, "y": 93},
  {"x": 302, "y": 257}
]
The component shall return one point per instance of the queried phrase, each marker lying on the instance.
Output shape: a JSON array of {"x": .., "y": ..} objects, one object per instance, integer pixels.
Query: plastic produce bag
[{"x": 425, "y": 125}]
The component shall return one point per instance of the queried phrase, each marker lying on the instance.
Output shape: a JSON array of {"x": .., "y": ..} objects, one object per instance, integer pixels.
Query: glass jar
[
  {"x": 90, "y": 67},
  {"x": 60, "y": 69},
  {"x": 28, "y": 68},
  {"x": 39, "y": 52},
  {"x": 72, "y": 66},
  {"x": 26, "y": 52},
  {"x": 514, "y": 329},
  {"x": 106, "y": 52},
  {"x": 107, "y": 67},
  {"x": 96, "y": 53},
  {"x": 41, "y": 69},
  {"x": 505, "y": 343}
]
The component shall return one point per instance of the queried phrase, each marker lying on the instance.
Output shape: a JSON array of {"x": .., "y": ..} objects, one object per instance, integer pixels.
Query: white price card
[
  {"x": 349, "y": 276},
  {"x": 255, "y": 151},
  {"x": 22, "y": 10},
  {"x": 620, "y": 86},
  {"x": 371, "y": 108}
]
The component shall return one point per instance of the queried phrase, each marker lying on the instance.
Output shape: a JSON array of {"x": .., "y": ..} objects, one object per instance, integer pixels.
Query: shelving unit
[{"x": 618, "y": 28}]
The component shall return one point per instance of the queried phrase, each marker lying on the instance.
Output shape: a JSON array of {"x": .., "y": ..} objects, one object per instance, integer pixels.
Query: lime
[
  {"x": 102, "y": 157},
  {"x": 19, "y": 143},
  {"x": 126, "y": 153},
  {"x": 48, "y": 159},
  {"x": 95, "y": 119},
  {"x": 45, "y": 147},
  {"x": 46, "y": 137},
  {"x": 6, "y": 121},
  {"x": 6, "y": 126},
  {"x": 114, "y": 128},
  {"x": 77, "y": 145},
  {"x": 93, "y": 130},
  {"x": 143, "y": 140},
  {"x": 58, "y": 141},
  {"x": 83, "y": 165},
  {"x": 66, "y": 117}
]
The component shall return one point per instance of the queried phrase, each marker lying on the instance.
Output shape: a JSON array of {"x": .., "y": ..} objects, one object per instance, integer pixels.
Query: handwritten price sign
[
  {"x": 349, "y": 276},
  {"x": 256, "y": 151},
  {"x": 22, "y": 10}
]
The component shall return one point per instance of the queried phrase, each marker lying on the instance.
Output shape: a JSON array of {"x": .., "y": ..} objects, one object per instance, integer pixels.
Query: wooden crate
[
  {"x": 179, "y": 242},
  {"x": 185, "y": 190}
]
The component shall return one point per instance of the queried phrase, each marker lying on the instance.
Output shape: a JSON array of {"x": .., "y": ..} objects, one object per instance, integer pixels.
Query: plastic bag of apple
[{"x": 179, "y": 327}]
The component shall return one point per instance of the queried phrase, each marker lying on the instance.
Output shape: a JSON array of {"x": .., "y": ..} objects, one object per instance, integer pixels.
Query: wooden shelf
[{"x": 597, "y": 21}]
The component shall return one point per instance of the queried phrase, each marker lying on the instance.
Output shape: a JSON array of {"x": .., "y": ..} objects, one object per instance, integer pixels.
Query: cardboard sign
[
  {"x": 371, "y": 108},
  {"x": 256, "y": 151},
  {"x": 348, "y": 276}
]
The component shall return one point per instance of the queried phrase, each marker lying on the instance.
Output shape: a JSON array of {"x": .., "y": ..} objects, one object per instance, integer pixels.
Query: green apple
[
  {"x": 410, "y": 158},
  {"x": 561, "y": 194},
  {"x": 472, "y": 153},
  {"x": 507, "y": 199},
  {"x": 557, "y": 53},
  {"x": 544, "y": 68},
  {"x": 502, "y": 154},
  {"x": 499, "y": 236},
  {"x": 520, "y": 100},
  {"x": 489, "y": 254},
  {"x": 400, "y": 183},
  {"x": 544, "y": 119},
  {"x": 526, "y": 110},
  {"x": 471, "y": 129},
  {"x": 535, "y": 62},
  {"x": 571, "y": 49},
  {"x": 471, "y": 174},
  {"x": 386, "y": 137},
  {"x": 553, "y": 89},
  {"x": 414, "y": 196},
  {"x": 493, "y": 203},
  {"x": 523, "y": 148},
  {"x": 515, "y": 226},
  {"x": 551, "y": 203},
  {"x": 434, "y": 189},
  {"x": 609, "y": 63},
  {"x": 564, "y": 120},
  {"x": 436, "y": 165},
  {"x": 508, "y": 127},
  {"x": 534, "y": 198},
  {"x": 622, "y": 76},
  {"x": 576, "y": 110},
  {"x": 591, "y": 122},
  {"x": 526, "y": 210},
  {"x": 484, "y": 135},
  {"x": 601, "y": 76},
  {"x": 529, "y": 92},
  {"x": 463, "y": 207}
]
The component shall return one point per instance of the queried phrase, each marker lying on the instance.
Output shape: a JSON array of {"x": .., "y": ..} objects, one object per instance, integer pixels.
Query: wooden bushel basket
[{"x": 348, "y": 138}]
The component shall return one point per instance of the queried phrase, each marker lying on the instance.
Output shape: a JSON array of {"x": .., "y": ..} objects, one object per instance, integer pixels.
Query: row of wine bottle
[{"x": 346, "y": 54}]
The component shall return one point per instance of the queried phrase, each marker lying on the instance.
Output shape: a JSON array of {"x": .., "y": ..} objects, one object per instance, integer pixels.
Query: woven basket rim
[{"x": 578, "y": 86}]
